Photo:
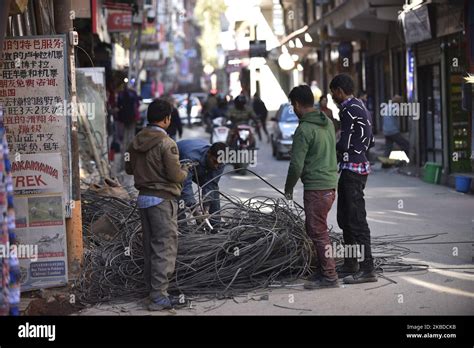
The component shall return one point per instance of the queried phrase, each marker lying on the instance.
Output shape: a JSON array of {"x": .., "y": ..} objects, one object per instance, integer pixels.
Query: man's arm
[
  {"x": 187, "y": 194},
  {"x": 253, "y": 116},
  {"x": 372, "y": 141},
  {"x": 174, "y": 171},
  {"x": 214, "y": 205},
  {"x": 298, "y": 155},
  {"x": 128, "y": 158},
  {"x": 347, "y": 125}
]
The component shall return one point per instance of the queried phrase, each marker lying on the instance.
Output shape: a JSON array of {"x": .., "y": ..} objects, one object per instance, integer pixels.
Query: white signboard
[
  {"x": 33, "y": 84},
  {"x": 40, "y": 224}
]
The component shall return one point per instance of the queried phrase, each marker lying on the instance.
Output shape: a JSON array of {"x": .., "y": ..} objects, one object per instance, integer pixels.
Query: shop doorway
[{"x": 431, "y": 130}]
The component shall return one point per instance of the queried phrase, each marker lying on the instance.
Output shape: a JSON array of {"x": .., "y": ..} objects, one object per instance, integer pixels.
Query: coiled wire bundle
[{"x": 258, "y": 241}]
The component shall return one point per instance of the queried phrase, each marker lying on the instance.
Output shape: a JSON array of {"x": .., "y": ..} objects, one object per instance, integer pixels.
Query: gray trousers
[{"x": 160, "y": 245}]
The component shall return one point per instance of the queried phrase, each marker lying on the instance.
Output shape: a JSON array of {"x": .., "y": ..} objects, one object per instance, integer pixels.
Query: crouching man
[
  {"x": 210, "y": 165},
  {"x": 314, "y": 160},
  {"x": 154, "y": 163}
]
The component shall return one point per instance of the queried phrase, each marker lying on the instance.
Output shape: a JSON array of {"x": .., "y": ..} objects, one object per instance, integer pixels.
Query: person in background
[
  {"x": 209, "y": 167},
  {"x": 189, "y": 108},
  {"x": 240, "y": 114},
  {"x": 391, "y": 130},
  {"x": 220, "y": 110},
  {"x": 211, "y": 101},
  {"x": 127, "y": 103},
  {"x": 356, "y": 139},
  {"x": 154, "y": 164},
  {"x": 261, "y": 111},
  {"x": 323, "y": 106},
  {"x": 313, "y": 159},
  {"x": 175, "y": 130}
]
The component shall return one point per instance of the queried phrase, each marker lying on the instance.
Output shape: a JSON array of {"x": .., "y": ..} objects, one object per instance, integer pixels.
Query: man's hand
[
  {"x": 289, "y": 196},
  {"x": 200, "y": 215},
  {"x": 188, "y": 165}
]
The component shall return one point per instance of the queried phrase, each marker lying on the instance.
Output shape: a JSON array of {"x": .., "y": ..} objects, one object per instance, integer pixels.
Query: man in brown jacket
[{"x": 153, "y": 160}]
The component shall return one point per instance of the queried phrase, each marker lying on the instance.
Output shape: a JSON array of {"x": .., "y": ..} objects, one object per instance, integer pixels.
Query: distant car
[
  {"x": 196, "y": 109},
  {"x": 284, "y": 128}
]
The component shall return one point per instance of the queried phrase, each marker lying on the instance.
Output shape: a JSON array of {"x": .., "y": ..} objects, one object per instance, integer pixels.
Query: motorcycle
[
  {"x": 244, "y": 145},
  {"x": 220, "y": 130}
]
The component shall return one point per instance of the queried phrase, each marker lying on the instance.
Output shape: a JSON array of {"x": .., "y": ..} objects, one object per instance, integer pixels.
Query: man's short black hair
[
  {"x": 343, "y": 82},
  {"x": 216, "y": 148},
  {"x": 158, "y": 110},
  {"x": 303, "y": 95}
]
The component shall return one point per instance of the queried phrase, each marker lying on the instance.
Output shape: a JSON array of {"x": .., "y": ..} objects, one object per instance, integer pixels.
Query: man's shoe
[
  {"x": 315, "y": 277},
  {"x": 321, "y": 283},
  {"x": 347, "y": 269},
  {"x": 361, "y": 277},
  {"x": 160, "y": 303},
  {"x": 178, "y": 301}
]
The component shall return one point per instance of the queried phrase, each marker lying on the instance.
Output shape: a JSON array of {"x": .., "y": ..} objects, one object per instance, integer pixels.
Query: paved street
[{"x": 446, "y": 289}]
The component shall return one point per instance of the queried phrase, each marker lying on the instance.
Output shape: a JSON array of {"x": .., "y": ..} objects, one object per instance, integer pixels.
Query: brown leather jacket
[{"x": 153, "y": 160}]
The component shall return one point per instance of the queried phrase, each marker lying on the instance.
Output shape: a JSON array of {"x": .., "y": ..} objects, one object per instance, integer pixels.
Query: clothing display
[{"x": 9, "y": 264}]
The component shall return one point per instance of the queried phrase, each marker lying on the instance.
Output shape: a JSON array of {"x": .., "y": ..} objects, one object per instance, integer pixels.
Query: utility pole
[{"x": 63, "y": 16}]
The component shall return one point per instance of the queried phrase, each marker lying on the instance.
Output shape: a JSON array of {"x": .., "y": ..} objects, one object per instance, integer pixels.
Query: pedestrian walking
[
  {"x": 313, "y": 159},
  {"x": 356, "y": 139},
  {"x": 391, "y": 130},
  {"x": 175, "y": 130},
  {"x": 262, "y": 113},
  {"x": 127, "y": 115},
  {"x": 154, "y": 163}
]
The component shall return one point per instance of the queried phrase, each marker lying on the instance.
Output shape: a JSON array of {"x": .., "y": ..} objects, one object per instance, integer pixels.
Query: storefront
[
  {"x": 434, "y": 33},
  {"x": 429, "y": 96}
]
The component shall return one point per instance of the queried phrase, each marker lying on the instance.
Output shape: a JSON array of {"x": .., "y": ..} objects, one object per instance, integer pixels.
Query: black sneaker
[
  {"x": 361, "y": 277},
  {"x": 347, "y": 270},
  {"x": 315, "y": 277},
  {"x": 323, "y": 282}
]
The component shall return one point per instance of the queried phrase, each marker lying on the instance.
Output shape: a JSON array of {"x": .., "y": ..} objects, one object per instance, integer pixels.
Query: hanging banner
[
  {"x": 40, "y": 224},
  {"x": 33, "y": 92}
]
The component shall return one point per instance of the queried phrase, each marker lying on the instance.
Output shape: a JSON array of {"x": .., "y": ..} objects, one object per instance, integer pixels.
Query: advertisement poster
[
  {"x": 40, "y": 224},
  {"x": 33, "y": 94}
]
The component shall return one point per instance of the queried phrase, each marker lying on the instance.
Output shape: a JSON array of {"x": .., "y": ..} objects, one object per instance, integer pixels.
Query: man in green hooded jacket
[{"x": 313, "y": 159}]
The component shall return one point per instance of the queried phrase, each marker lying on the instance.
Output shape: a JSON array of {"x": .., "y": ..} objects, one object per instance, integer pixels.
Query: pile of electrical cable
[{"x": 257, "y": 242}]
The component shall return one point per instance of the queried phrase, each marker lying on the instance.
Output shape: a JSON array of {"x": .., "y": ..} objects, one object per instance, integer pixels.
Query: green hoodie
[{"x": 313, "y": 154}]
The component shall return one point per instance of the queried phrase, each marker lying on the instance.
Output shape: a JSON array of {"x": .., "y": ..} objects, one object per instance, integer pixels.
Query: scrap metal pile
[{"x": 261, "y": 242}]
